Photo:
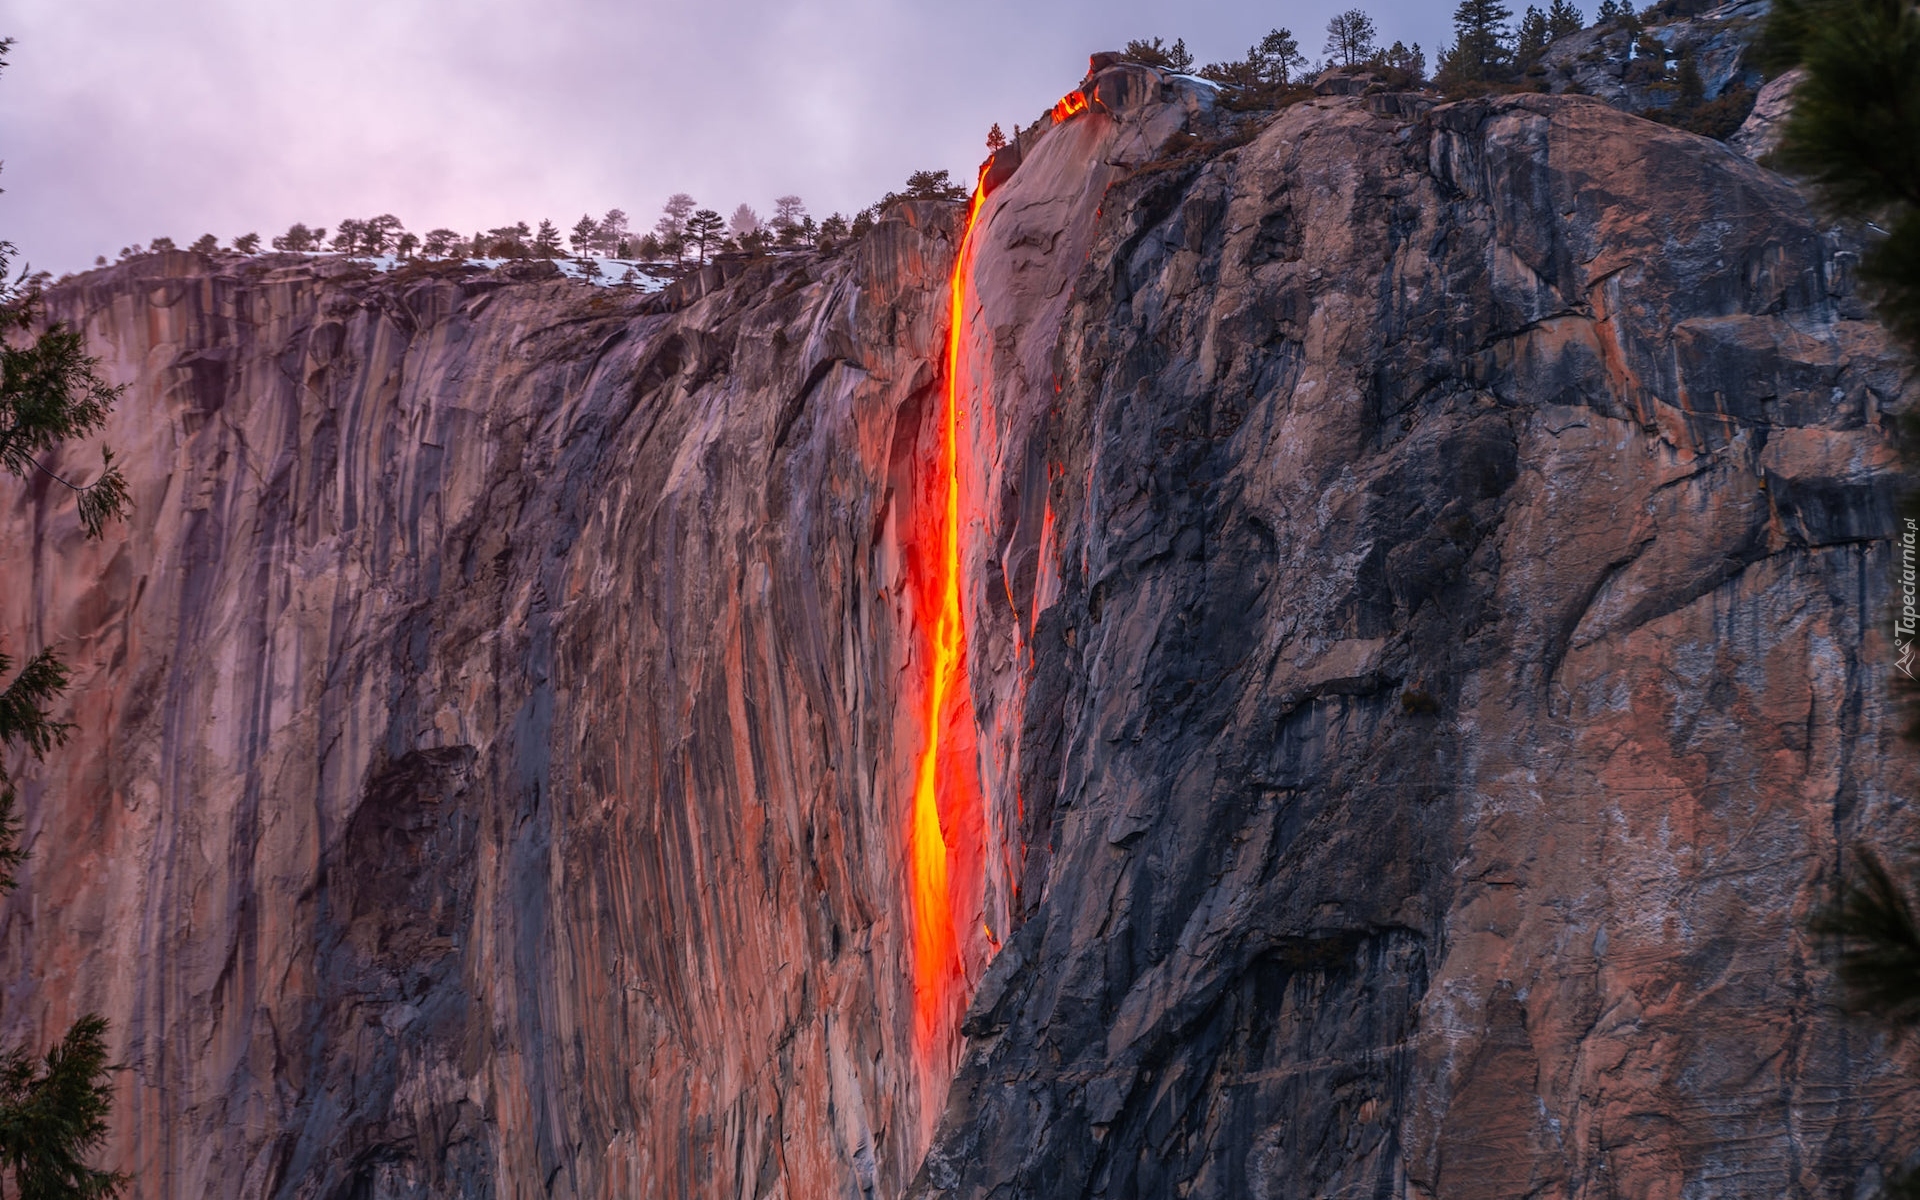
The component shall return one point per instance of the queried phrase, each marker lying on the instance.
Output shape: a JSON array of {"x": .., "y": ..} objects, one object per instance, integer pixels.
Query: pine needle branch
[{"x": 1879, "y": 943}]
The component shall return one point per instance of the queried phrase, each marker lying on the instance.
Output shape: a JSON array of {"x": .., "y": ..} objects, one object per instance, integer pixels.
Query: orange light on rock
[
  {"x": 1071, "y": 105},
  {"x": 937, "y": 966}
]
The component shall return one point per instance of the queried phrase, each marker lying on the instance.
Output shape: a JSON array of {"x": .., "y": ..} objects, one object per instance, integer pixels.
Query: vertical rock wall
[
  {"x": 492, "y": 726},
  {"x": 1431, "y": 616}
]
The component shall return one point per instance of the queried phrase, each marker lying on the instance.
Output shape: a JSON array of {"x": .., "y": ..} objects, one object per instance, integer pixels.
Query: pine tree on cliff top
[
  {"x": 1349, "y": 38},
  {"x": 703, "y": 228},
  {"x": 1152, "y": 51},
  {"x": 611, "y": 240},
  {"x": 1535, "y": 33},
  {"x": 380, "y": 234},
  {"x": 299, "y": 238},
  {"x": 1277, "y": 59},
  {"x": 673, "y": 216},
  {"x": 586, "y": 232},
  {"x": 1480, "y": 51},
  {"x": 53, "y": 1112},
  {"x": 1563, "y": 18}
]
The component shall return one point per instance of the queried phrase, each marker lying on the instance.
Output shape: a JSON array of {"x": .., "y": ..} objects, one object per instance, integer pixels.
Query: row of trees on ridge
[
  {"x": 1486, "y": 48},
  {"x": 1490, "y": 52},
  {"x": 684, "y": 229}
]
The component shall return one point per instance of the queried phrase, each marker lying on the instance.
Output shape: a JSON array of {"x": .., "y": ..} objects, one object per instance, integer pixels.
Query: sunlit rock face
[
  {"x": 493, "y": 730},
  {"x": 1426, "y": 579}
]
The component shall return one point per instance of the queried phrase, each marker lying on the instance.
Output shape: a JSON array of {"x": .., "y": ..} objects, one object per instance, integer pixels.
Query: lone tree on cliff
[
  {"x": 791, "y": 225},
  {"x": 1277, "y": 58},
  {"x": 1350, "y": 38},
  {"x": 1480, "y": 51},
  {"x": 585, "y": 232},
  {"x": 1563, "y": 18},
  {"x": 1533, "y": 37},
  {"x": 671, "y": 228},
  {"x": 702, "y": 227},
  {"x": 53, "y": 1112}
]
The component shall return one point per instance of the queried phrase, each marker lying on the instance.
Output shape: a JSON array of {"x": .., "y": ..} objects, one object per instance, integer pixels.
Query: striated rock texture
[
  {"x": 492, "y": 730},
  {"x": 1451, "y": 669},
  {"x": 1424, "y": 577}
]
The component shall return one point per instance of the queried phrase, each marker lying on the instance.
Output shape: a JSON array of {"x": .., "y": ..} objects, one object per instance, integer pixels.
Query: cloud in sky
[{"x": 121, "y": 120}]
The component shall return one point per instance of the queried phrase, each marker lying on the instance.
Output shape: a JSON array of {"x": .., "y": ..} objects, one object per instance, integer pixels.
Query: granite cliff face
[
  {"x": 492, "y": 730},
  {"x": 1423, "y": 571},
  {"x": 1459, "y": 667}
]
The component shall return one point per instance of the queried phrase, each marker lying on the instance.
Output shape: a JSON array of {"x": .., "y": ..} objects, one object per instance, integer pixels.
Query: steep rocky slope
[
  {"x": 1604, "y": 61},
  {"x": 1424, "y": 575}
]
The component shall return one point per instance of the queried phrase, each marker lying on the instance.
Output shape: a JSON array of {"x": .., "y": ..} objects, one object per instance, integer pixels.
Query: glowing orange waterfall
[{"x": 942, "y": 781}]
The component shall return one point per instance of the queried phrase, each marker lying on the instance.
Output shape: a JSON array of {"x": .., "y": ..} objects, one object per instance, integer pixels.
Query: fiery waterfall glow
[{"x": 938, "y": 971}]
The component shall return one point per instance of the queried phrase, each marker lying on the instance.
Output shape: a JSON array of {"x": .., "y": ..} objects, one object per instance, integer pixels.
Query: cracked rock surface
[{"x": 1456, "y": 657}]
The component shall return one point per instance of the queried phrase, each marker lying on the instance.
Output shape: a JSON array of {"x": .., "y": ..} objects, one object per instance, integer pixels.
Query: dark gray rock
[
  {"x": 1434, "y": 711},
  {"x": 1603, "y": 62}
]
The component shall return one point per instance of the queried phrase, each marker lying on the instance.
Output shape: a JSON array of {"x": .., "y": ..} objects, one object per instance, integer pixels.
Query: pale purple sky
[{"x": 121, "y": 120}]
